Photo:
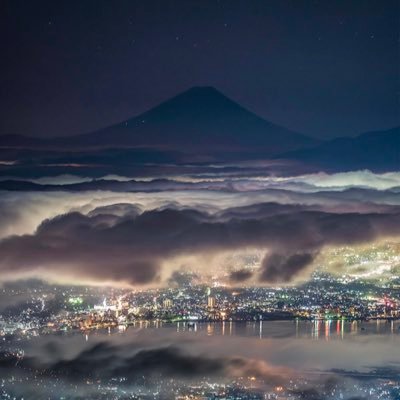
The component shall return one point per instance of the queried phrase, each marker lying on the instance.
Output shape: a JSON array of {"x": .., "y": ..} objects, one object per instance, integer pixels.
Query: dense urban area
[{"x": 325, "y": 307}]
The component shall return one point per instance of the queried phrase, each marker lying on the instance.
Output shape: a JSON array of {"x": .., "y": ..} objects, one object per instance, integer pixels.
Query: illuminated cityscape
[
  {"x": 325, "y": 308},
  {"x": 324, "y": 297}
]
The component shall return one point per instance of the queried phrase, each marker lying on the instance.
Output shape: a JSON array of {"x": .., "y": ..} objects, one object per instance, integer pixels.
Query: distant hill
[
  {"x": 378, "y": 151},
  {"x": 200, "y": 120}
]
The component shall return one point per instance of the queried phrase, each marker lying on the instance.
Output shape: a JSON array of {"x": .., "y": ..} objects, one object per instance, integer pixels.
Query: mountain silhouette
[
  {"x": 199, "y": 125},
  {"x": 199, "y": 120},
  {"x": 378, "y": 151}
]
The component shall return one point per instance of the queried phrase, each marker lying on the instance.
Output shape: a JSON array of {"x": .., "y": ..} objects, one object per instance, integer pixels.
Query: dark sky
[{"x": 326, "y": 68}]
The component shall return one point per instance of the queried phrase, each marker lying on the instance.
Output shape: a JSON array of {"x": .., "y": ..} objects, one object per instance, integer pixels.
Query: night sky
[{"x": 325, "y": 68}]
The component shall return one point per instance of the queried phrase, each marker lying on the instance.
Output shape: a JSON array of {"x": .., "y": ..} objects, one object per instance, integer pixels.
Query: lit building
[
  {"x": 167, "y": 303},
  {"x": 211, "y": 302}
]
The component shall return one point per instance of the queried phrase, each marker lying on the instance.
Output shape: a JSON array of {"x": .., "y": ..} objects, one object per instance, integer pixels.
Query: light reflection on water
[
  {"x": 309, "y": 347},
  {"x": 314, "y": 330}
]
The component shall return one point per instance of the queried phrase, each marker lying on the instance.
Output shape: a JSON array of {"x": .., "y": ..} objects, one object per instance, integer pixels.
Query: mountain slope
[
  {"x": 199, "y": 120},
  {"x": 378, "y": 151}
]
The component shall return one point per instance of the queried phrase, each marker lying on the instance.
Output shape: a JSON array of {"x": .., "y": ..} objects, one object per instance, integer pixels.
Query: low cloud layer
[
  {"x": 147, "y": 360},
  {"x": 22, "y": 211},
  {"x": 237, "y": 176},
  {"x": 105, "y": 361},
  {"x": 119, "y": 243},
  {"x": 143, "y": 237},
  {"x": 278, "y": 267},
  {"x": 151, "y": 357}
]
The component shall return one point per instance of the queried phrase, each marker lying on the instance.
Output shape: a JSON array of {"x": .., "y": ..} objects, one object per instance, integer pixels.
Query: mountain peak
[
  {"x": 202, "y": 92},
  {"x": 201, "y": 118},
  {"x": 201, "y": 95},
  {"x": 198, "y": 104},
  {"x": 202, "y": 89}
]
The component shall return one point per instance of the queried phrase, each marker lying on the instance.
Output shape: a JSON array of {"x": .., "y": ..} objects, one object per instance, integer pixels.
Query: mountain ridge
[
  {"x": 197, "y": 119},
  {"x": 376, "y": 150}
]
